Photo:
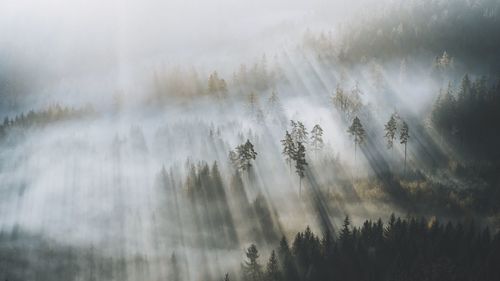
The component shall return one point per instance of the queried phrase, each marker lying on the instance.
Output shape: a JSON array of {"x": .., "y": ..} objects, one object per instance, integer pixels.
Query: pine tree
[
  {"x": 356, "y": 130},
  {"x": 288, "y": 149},
  {"x": 300, "y": 162},
  {"x": 340, "y": 100},
  {"x": 345, "y": 234},
  {"x": 252, "y": 270},
  {"x": 226, "y": 277},
  {"x": 390, "y": 130},
  {"x": 273, "y": 272},
  {"x": 403, "y": 138},
  {"x": 243, "y": 156},
  {"x": 317, "y": 138},
  {"x": 299, "y": 133}
]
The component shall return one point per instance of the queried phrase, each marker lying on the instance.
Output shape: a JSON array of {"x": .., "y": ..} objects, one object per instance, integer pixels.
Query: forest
[{"x": 285, "y": 141}]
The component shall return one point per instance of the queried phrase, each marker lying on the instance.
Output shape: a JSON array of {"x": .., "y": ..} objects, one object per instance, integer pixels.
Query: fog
[{"x": 121, "y": 116}]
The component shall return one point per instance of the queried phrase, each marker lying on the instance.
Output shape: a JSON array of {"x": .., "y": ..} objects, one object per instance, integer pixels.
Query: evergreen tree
[
  {"x": 273, "y": 272},
  {"x": 403, "y": 137},
  {"x": 288, "y": 149},
  {"x": 317, "y": 138},
  {"x": 252, "y": 270},
  {"x": 299, "y": 133},
  {"x": 243, "y": 156},
  {"x": 340, "y": 100},
  {"x": 300, "y": 162},
  {"x": 345, "y": 232},
  {"x": 390, "y": 130},
  {"x": 356, "y": 130}
]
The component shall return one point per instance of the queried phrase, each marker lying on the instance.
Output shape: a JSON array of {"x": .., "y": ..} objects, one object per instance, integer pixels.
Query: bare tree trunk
[
  {"x": 355, "y": 148},
  {"x": 300, "y": 186}
]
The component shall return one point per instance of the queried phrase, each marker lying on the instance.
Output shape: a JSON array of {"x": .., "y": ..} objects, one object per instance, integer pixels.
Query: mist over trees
[{"x": 361, "y": 147}]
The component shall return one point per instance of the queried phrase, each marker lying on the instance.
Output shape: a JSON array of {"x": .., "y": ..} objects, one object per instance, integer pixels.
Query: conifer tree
[
  {"x": 299, "y": 133},
  {"x": 390, "y": 131},
  {"x": 273, "y": 272},
  {"x": 356, "y": 130},
  {"x": 317, "y": 138},
  {"x": 252, "y": 270},
  {"x": 300, "y": 162},
  {"x": 243, "y": 156},
  {"x": 288, "y": 149},
  {"x": 403, "y": 138}
]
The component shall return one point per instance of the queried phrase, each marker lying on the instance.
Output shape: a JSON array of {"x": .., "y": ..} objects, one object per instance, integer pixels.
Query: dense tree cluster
[
  {"x": 466, "y": 29},
  {"x": 217, "y": 86},
  {"x": 347, "y": 102},
  {"x": 467, "y": 117},
  {"x": 53, "y": 113},
  {"x": 401, "y": 249}
]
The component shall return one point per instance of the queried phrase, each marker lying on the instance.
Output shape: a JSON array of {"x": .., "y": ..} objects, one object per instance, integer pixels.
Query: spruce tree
[
  {"x": 288, "y": 149},
  {"x": 356, "y": 130},
  {"x": 273, "y": 272}
]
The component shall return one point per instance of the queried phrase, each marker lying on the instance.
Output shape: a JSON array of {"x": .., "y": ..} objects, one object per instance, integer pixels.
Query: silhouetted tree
[
  {"x": 273, "y": 272},
  {"x": 403, "y": 137},
  {"x": 252, "y": 270},
  {"x": 243, "y": 156},
  {"x": 300, "y": 162},
  {"x": 356, "y": 130},
  {"x": 289, "y": 149}
]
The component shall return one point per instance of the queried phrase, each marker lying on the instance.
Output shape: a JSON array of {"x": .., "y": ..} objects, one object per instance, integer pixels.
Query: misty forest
[{"x": 250, "y": 140}]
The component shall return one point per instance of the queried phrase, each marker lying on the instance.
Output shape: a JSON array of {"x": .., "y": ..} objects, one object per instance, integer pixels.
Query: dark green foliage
[
  {"x": 405, "y": 249},
  {"x": 243, "y": 156},
  {"x": 273, "y": 272},
  {"x": 404, "y": 136},
  {"x": 300, "y": 161},
  {"x": 468, "y": 119},
  {"x": 357, "y": 132},
  {"x": 252, "y": 270},
  {"x": 288, "y": 149},
  {"x": 465, "y": 29}
]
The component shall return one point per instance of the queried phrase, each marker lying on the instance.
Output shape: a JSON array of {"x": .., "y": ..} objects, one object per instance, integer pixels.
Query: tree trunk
[
  {"x": 300, "y": 186},
  {"x": 405, "y": 161},
  {"x": 355, "y": 148}
]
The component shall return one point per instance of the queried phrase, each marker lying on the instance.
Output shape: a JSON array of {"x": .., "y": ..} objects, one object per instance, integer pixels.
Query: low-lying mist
[{"x": 150, "y": 140}]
